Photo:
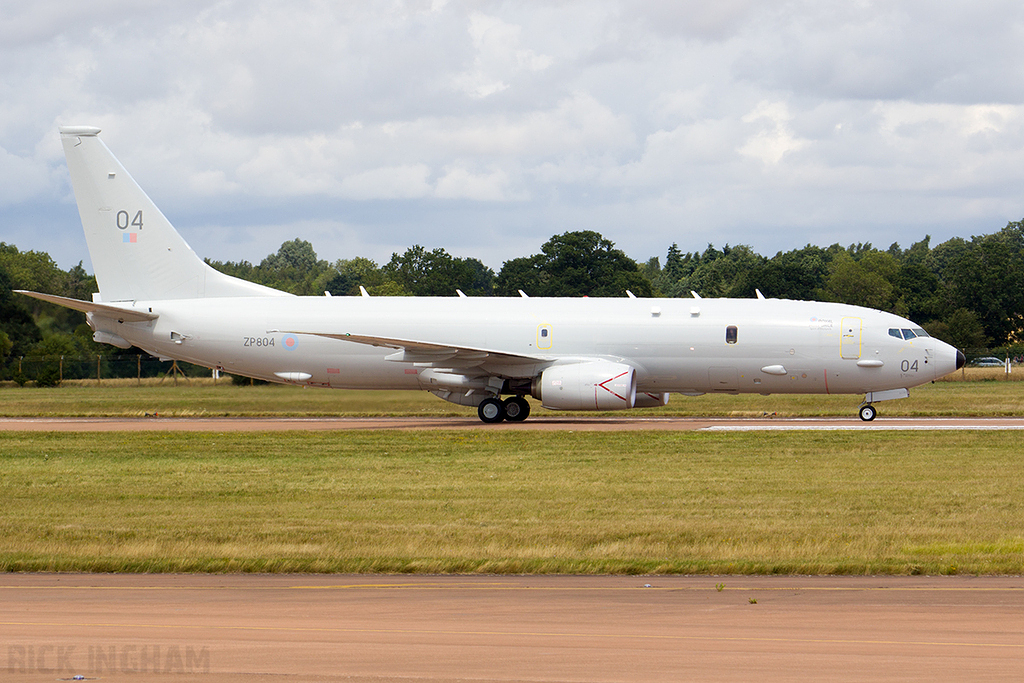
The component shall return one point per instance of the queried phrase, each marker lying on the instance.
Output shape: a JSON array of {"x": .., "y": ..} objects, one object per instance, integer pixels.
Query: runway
[
  {"x": 568, "y": 423},
  {"x": 172, "y": 628}
]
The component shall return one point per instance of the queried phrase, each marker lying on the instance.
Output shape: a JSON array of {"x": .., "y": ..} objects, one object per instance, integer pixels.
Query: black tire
[
  {"x": 517, "y": 409},
  {"x": 868, "y": 413},
  {"x": 491, "y": 410}
]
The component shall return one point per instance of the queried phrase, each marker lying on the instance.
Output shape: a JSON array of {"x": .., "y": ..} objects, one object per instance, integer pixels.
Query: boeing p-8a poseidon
[{"x": 569, "y": 353}]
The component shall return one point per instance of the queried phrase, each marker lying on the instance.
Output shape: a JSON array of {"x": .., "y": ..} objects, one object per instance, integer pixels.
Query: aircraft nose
[{"x": 961, "y": 359}]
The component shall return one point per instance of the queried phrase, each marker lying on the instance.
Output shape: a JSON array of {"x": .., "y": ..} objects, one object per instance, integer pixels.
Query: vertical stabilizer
[{"x": 136, "y": 252}]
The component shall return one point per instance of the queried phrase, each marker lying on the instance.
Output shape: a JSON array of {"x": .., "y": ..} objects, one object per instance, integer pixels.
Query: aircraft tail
[{"x": 136, "y": 252}]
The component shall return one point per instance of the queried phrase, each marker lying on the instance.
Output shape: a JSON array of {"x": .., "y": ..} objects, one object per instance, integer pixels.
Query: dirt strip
[
  {"x": 173, "y": 628},
  {"x": 588, "y": 424}
]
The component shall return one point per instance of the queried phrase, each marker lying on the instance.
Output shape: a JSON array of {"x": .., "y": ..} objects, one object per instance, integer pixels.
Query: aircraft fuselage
[{"x": 675, "y": 345}]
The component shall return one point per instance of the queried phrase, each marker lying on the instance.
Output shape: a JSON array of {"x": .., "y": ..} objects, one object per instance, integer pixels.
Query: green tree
[
  {"x": 345, "y": 276},
  {"x": 862, "y": 277},
  {"x": 16, "y": 321},
  {"x": 961, "y": 328},
  {"x": 798, "y": 274},
  {"x": 36, "y": 271},
  {"x": 482, "y": 283},
  {"x": 574, "y": 264},
  {"x": 58, "y": 356},
  {"x": 986, "y": 276},
  {"x": 438, "y": 273},
  {"x": 653, "y": 273},
  {"x": 917, "y": 290},
  {"x": 674, "y": 263},
  {"x": 294, "y": 268},
  {"x": 724, "y": 273},
  {"x": 296, "y": 255},
  {"x": 33, "y": 270},
  {"x": 5, "y": 347},
  {"x": 523, "y": 273}
]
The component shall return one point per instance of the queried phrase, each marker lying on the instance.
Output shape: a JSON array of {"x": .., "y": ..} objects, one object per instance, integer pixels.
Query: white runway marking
[{"x": 874, "y": 427}]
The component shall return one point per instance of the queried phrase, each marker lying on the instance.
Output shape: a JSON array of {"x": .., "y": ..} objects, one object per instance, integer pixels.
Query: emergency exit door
[{"x": 850, "y": 338}]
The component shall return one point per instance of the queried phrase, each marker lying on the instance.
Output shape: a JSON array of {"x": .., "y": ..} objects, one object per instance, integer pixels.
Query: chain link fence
[{"x": 53, "y": 370}]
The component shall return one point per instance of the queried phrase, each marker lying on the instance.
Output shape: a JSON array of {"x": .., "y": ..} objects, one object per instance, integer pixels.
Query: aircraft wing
[
  {"x": 128, "y": 315},
  {"x": 448, "y": 355}
]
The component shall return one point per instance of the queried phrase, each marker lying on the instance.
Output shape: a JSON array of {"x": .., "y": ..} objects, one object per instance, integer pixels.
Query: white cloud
[
  {"x": 772, "y": 123},
  {"x": 499, "y": 56},
  {"x": 20, "y": 178},
  {"x": 395, "y": 182},
  {"x": 460, "y": 183},
  {"x": 774, "y": 139}
]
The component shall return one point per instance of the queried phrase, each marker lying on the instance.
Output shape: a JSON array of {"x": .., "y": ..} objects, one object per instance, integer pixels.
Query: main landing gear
[{"x": 513, "y": 409}]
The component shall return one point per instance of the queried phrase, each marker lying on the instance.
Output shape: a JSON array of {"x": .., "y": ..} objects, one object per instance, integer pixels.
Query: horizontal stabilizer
[{"x": 128, "y": 315}]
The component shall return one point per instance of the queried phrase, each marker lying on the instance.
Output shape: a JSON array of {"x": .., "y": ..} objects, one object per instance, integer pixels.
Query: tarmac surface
[
  {"x": 245, "y": 424},
  {"x": 413, "y": 629}
]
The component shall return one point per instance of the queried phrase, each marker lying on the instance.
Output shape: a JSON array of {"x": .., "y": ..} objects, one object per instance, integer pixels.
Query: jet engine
[
  {"x": 645, "y": 399},
  {"x": 591, "y": 385}
]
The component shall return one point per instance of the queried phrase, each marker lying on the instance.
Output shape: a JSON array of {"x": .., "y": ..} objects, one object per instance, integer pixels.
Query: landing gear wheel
[
  {"x": 868, "y": 413},
  {"x": 491, "y": 410},
  {"x": 517, "y": 409}
]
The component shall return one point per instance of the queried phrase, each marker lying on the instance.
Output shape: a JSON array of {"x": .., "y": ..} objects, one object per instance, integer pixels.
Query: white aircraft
[{"x": 569, "y": 353}]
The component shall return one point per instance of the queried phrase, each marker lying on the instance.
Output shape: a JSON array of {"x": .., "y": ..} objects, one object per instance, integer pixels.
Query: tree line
[{"x": 967, "y": 292}]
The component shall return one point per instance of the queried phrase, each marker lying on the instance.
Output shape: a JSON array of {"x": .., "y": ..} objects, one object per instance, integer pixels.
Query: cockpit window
[{"x": 907, "y": 334}]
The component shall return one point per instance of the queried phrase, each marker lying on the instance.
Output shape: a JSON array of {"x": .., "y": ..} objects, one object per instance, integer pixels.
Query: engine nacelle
[
  {"x": 646, "y": 399},
  {"x": 592, "y": 385}
]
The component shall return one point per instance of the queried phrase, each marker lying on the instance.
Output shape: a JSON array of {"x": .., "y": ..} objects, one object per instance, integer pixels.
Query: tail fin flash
[{"x": 136, "y": 252}]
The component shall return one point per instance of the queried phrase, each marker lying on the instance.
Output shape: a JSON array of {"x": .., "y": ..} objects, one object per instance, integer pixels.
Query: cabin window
[
  {"x": 544, "y": 336},
  {"x": 730, "y": 334}
]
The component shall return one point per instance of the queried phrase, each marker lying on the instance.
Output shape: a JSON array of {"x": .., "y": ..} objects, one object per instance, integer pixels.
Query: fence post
[
  {"x": 138, "y": 368},
  {"x": 61, "y": 381},
  {"x": 98, "y": 357}
]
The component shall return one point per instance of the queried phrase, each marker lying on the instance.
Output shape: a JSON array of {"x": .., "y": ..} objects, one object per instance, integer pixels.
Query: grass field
[
  {"x": 975, "y": 392},
  {"x": 484, "y": 501}
]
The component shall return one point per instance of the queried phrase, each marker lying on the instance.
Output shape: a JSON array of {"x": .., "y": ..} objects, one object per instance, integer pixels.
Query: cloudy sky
[{"x": 487, "y": 127}]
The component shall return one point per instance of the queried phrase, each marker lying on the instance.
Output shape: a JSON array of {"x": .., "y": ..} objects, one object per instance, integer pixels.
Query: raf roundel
[{"x": 290, "y": 342}]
